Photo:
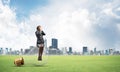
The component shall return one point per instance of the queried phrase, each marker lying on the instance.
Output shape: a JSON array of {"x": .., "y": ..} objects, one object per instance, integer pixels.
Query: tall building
[
  {"x": 6, "y": 51},
  {"x": 85, "y": 50},
  {"x": 1, "y": 50},
  {"x": 107, "y": 52},
  {"x": 46, "y": 50},
  {"x": 102, "y": 52},
  {"x": 70, "y": 50},
  {"x": 45, "y": 43},
  {"x": 21, "y": 51},
  {"x": 64, "y": 50},
  {"x": 91, "y": 52},
  {"x": 110, "y": 51},
  {"x": 10, "y": 51},
  {"x": 95, "y": 50},
  {"x": 53, "y": 49},
  {"x": 54, "y": 43}
]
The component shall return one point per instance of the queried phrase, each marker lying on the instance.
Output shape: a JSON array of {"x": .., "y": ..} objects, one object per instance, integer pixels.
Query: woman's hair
[{"x": 38, "y": 27}]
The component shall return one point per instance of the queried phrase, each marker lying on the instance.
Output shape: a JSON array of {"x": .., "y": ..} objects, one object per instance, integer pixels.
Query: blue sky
[
  {"x": 75, "y": 23},
  {"x": 25, "y": 7}
]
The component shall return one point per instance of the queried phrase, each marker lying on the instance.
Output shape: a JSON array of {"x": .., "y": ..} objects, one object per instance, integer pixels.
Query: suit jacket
[{"x": 39, "y": 35}]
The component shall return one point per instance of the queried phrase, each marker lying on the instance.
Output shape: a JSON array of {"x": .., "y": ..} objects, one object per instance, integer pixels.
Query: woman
[{"x": 40, "y": 41}]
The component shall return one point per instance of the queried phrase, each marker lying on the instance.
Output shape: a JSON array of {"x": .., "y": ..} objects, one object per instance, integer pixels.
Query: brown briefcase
[{"x": 19, "y": 61}]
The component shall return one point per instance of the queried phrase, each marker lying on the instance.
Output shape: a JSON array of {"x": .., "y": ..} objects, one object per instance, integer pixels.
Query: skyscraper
[
  {"x": 95, "y": 50},
  {"x": 107, "y": 52},
  {"x": 45, "y": 47},
  {"x": 6, "y": 51},
  {"x": 54, "y": 43},
  {"x": 70, "y": 50},
  {"x": 1, "y": 50},
  {"x": 64, "y": 50},
  {"x": 21, "y": 51},
  {"x": 85, "y": 50},
  {"x": 110, "y": 51},
  {"x": 45, "y": 43}
]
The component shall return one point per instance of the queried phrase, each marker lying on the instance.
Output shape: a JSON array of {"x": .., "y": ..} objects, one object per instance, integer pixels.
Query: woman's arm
[
  {"x": 43, "y": 33},
  {"x": 36, "y": 33}
]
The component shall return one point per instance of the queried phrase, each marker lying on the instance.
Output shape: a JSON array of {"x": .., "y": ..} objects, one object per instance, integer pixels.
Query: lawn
[{"x": 62, "y": 64}]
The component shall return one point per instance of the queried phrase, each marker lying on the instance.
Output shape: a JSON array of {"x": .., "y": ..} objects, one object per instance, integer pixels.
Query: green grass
[{"x": 62, "y": 64}]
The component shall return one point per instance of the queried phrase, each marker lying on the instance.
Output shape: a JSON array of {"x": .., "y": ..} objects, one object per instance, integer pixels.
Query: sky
[{"x": 75, "y": 23}]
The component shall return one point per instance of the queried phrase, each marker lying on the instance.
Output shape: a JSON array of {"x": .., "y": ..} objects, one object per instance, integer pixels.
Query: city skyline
[
  {"x": 33, "y": 50},
  {"x": 85, "y": 50},
  {"x": 75, "y": 23}
]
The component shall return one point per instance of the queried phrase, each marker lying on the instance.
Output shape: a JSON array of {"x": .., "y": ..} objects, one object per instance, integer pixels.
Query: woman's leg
[
  {"x": 39, "y": 54},
  {"x": 41, "y": 48}
]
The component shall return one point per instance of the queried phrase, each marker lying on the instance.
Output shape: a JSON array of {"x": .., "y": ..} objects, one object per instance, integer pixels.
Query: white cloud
[
  {"x": 72, "y": 26},
  {"x": 13, "y": 34},
  {"x": 75, "y": 23},
  {"x": 82, "y": 23}
]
